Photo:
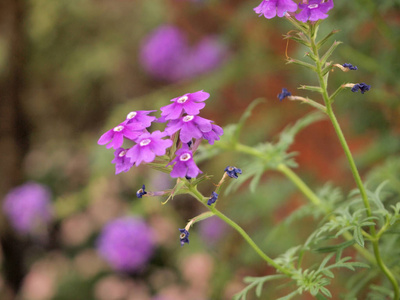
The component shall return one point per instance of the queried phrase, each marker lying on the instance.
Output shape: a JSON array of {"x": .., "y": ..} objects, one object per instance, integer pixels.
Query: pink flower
[
  {"x": 140, "y": 117},
  {"x": 122, "y": 163},
  {"x": 115, "y": 136},
  {"x": 271, "y": 8},
  {"x": 190, "y": 103},
  {"x": 184, "y": 164},
  {"x": 149, "y": 145},
  {"x": 190, "y": 127}
]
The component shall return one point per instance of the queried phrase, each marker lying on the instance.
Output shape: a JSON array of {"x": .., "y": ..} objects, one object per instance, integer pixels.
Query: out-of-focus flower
[
  {"x": 350, "y": 66},
  {"x": 122, "y": 163},
  {"x": 363, "y": 87},
  {"x": 126, "y": 244},
  {"x": 190, "y": 127},
  {"x": 184, "y": 164},
  {"x": 213, "y": 198},
  {"x": 271, "y": 8},
  {"x": 191, "y": 103},
  {"x": 149, "y": 145},
  {"x": 285, "y": 93},
  {"x": 165, "y": 54},
  {"x": 233, "y": 172},
  {"x": 184, "y": 236},
  {"x": 28, "y": 207},
  {"x": 315, "y": 10},
  {"x": 212, "y": 230}
]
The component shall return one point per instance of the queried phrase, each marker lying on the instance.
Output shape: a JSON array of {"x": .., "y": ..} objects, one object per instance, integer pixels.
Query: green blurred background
[{"x": 69, "y": 71}]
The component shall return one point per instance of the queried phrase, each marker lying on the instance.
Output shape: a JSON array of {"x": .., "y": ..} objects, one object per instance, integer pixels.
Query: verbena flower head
[
  {"x": 149, "y": 145},
  {"x": 213, "y": 198},
  {"x": 122, "y": 163},
  {"x": 363, "y": 87},
  {"x": 184, "y": 164},
  {"x": 233, "y": 172},
  {"x": 126, "y": 244},
  {"x": 141, "y": 192},
  {"x": 214, "y": 134},
  {"x": 115, "y": 137},
  {"x": 271, "y": 8},
  {"x": 285, "y": 93},
  {"x": 140, "y": 117},
  {"x": 184, "y": 236},
  {"x": 190, "y": 126},
  {"x": 350, "y": 66},
  {"x": 315, "y": 10},
  {"x": 28, "y": 207},
  {"x": 190, "y": 103}
]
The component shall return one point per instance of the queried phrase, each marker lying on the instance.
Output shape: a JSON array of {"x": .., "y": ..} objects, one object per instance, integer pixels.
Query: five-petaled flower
[
  {"x": 233, "y": 172},
  {"x": 271, "y": 8},
  {"x": 285, "y": 93},
  {"x": 140, "y": 117},
  {"x": 363, "y": 87},
  {"x": 315, "y": 10},
  {"x": 140, "y": 193},
  {"x": 190, "y": 126},
  {"x": 190, "y": 103},
  {"x": 184, "y": 164},
  {"x": 213, "y": 198},
  {"x": 184, "y": 236},
  {"x": 115, "y": 136},
  {"x": 149, "y": 145}
]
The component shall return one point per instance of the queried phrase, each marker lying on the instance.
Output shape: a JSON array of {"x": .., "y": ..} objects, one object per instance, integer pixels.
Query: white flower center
[
  {"x": 145, "y": 142},
  {"x": 182, "y": 99},
  {"x": 118, "y": 128},
  {"x": 188, "y": 118},
  {"x": 122, "y": 153},
  {"x": 182, "y": 236},
  {"x": 313, "y": 6},
  {"x": 185, "y": 157},
  {"x": 131, "y": 115}
]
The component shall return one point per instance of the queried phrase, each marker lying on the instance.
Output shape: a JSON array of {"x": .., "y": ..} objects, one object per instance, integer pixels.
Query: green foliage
[{"x": 257, "y": 283}]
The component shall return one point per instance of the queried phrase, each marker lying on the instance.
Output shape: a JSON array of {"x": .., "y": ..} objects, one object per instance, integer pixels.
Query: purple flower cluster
[
  {"x": 183, "y": 121},
  {"x": 126, "y": 244},
  {"x": 28, "y": 207},
  {"x": 313, "y": 11},
  {"x": 166, "y": 55}
]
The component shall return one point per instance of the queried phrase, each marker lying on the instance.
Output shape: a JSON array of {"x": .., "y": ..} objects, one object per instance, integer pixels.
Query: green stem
[
  {"x": 353, "y": 167},
  {"x": 194, "y": 192}
]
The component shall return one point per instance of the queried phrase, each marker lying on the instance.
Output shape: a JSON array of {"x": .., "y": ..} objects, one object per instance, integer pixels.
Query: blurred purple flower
[
  {"x": 271, "y": 8},
  {"x": 191, "y": 103},
  {"x": 315, "y": 10},
  {"x": 126, "y": 244},
  {"x": 28, "y": 207},
  {"x": 166, "y": 55},
  {"x": 212, "y": 230}
]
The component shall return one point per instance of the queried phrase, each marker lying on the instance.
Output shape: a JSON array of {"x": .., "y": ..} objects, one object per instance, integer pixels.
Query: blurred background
[{"x": 72, "y": 69}]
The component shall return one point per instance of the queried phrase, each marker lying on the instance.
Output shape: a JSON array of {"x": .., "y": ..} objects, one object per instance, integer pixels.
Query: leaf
[
  {"x": 290, "y": 296},
  {"x": 358, "y": 237}
]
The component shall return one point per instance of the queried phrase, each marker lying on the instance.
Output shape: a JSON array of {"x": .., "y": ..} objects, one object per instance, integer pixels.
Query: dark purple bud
[
  {"x": 350, "y": 67},
  {"x": 285, "y": 93},
  {"x": 184, "y": 237},
  {"x": 213, "y": 198},
  {"x": 363, "y": 87},
  {"x": 141, "y": 192},
  {"x": 233, "y": 172}
]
